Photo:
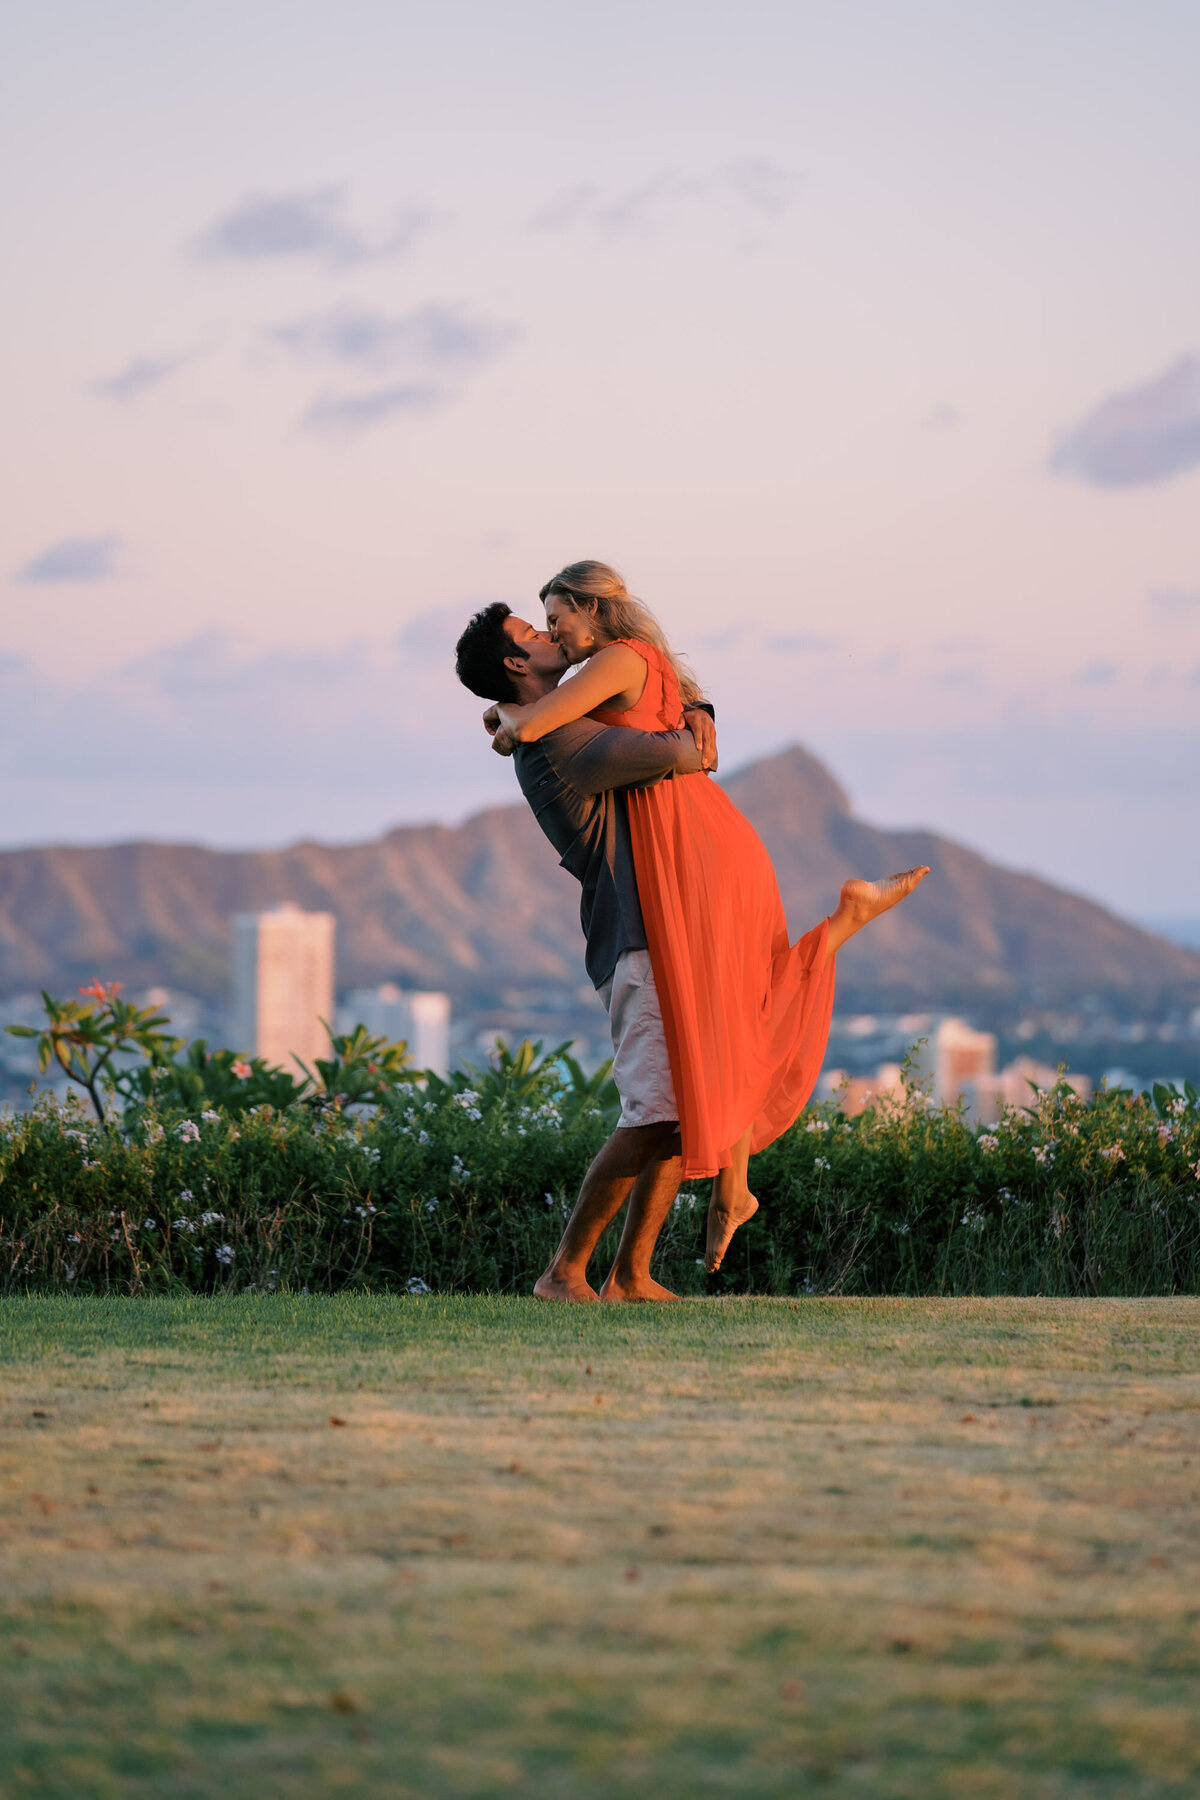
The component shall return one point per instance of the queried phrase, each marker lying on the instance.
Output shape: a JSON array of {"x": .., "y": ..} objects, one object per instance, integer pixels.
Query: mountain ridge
[{"x": 482, "y": 908}]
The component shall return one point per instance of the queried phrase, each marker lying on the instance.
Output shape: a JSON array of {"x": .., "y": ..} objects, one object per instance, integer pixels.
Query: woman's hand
[{"x": 504, "y": 723}]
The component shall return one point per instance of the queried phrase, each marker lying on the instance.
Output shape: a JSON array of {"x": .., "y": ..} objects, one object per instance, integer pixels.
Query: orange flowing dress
[{"x": 746, "y": 1013}]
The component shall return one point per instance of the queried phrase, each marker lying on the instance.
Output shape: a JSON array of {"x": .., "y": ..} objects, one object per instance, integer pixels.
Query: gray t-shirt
[{"x": 571, "y": 779}]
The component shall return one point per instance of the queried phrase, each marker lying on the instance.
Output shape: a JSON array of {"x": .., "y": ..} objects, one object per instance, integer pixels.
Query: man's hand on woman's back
[{"x": 704, "y": 732}]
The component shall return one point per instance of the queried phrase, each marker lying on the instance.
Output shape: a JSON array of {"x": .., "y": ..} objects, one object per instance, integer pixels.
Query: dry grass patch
[{"x": 310, "y": 1546}]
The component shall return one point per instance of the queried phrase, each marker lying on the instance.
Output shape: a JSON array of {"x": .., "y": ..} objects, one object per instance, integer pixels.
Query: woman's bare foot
[
  {"x": 634, "y": 1287},
  {"x": 725, "y": 1213},
  {"x": 557, "y": 1287},
  {"x": 862, "y": 901}
]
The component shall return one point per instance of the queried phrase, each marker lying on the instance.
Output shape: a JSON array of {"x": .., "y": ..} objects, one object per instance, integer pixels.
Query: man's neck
[{"x": 534, "y": 687}]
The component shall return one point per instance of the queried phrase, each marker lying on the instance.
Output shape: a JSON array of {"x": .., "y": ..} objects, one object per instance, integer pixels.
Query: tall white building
[
  {"x": 283, "y": 983},
  {"x": 421, "y": 1019}
]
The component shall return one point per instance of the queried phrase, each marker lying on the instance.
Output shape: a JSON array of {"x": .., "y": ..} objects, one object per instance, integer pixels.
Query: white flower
[
  {"x": 423, "y": 1137},
  {"x": 75, "y": 1238},
  {"x": 431, "y": 1205},
  {"x": 973, "y": 1219},
  {"x": 1044, "y": 1153},
  {"x": 549, "y": 1199},
  {"x": 459, "y": 1171},
  {"x": 224, "y": 1253},
  {"x": 149, "y": 1225},
  {"x": 988, "y": 1141},
  {"x": 185, "y": 1195},
  {"x": 154, "y": 1134},
  {"x": 817, "y": 1125},
  {"x": 189, "y": 1131},
  {"x": 414, "y": 1285},
  {"x": 467, "y": 1099},
  {"x": 903, "y": 1230},
  {"x": 211, "y": 1118},
  {"x": 364, "y": 1211},
  {"x": 820, "y": 1162},
  {"x": 1113, "y": 1153},
  {"x": 212, "y": 1218},
  {"x": 185, "y": 1225},
  {"x": 1165, "y": 1134}
]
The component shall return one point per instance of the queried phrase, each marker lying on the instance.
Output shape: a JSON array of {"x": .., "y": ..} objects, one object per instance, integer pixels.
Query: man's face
[{"x": 540, "y": 655}]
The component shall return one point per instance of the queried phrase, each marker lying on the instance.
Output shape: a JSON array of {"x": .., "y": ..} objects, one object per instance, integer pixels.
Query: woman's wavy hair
[{"x": 597, "y": 589}]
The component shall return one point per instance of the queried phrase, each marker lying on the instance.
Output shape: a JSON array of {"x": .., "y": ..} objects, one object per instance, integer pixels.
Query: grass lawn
[{"x": 276, "y": 1546}]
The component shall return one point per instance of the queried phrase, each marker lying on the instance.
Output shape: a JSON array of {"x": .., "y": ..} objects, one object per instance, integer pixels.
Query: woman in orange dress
[{"x": 745, "y": 1012}]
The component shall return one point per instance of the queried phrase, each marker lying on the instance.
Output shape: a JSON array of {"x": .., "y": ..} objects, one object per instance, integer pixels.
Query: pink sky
[{"x": 863, "y": 338}]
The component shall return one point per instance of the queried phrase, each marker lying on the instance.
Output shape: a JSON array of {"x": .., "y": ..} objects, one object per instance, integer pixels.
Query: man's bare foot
[
  {"x": 634, "y": 1287},
  {"x": 724, "y": 1217},
  {"x": 554, "y": 1287}
]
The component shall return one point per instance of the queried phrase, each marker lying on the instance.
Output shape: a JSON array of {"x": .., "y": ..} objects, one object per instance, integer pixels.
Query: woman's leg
[
  {"x": 863, "y": 901},
  {"x": 732, "y": 1203}
]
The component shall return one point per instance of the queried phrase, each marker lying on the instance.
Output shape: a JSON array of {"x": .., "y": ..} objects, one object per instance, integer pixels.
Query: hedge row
[{"x": 465, "y": 1188}]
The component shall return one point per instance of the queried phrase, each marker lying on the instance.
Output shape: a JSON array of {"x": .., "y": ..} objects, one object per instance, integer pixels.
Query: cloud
[
  {"x": 1098, "y": 674},
  {"x": 433, "y": 335},
  {"x": 138, "y": 377},
  {"x": 943, "y": 418},
  {"x": 749, "y": 189},
  {"x": 272, "y": 226},
  {"x": 802, "y": 643},
  {"x": 344, "y": 415},
  {"x": 212, "y": 664},
  {"x": 1143, "y": 435},
  {"x": 74, "y": 559},
  {"x": 1175, "y": 606},
  {"x": 252, "y": 743}
]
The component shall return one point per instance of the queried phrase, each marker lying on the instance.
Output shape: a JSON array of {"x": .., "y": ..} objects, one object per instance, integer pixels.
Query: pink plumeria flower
[{"x": 242, "y": 1069}]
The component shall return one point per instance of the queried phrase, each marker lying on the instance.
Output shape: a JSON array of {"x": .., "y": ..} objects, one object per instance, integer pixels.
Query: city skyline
[{"x": 862, "y": 339}]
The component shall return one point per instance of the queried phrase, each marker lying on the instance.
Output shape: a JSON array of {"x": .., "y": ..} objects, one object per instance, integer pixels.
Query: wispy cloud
[
  {"x": 432, "y": 335},
  {"x": 311, "y": 225},
  {"x": 749, "y": 190},
  {"x": 213, "y": 663},
  {"x": 138, "y": 377},
  {"x": 1175, "y": 606},
  {"x": 1139, "y": 436},
  {"x": 1098, "y": 674},
  {"x": 74, "y": 559},
  {"x": 345, "y": 415}
]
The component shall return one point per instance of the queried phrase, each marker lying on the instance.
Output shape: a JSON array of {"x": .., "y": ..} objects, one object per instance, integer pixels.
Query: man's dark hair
[{"x": 480, "y": 652}]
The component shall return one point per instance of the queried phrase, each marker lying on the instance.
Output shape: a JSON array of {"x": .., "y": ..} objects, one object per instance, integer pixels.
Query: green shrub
[{"x": 365, "y": 1173}]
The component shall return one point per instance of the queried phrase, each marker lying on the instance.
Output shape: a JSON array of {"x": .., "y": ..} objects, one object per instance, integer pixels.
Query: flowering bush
[{"x": 419, "y": 1183}]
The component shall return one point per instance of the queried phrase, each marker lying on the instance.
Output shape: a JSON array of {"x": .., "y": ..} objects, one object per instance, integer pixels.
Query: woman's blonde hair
[{"x": 597, "y": 589}]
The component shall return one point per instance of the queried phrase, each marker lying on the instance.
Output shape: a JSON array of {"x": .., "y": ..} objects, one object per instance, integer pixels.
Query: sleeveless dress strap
[{"x": 670, "y": 710}]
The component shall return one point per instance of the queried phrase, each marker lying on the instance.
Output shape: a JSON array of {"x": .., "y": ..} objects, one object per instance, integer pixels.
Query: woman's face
[{"x": 575, "y": 631}]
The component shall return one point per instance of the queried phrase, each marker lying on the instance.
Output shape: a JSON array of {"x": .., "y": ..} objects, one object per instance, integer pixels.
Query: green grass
[{"x": 744, "y": 1547}]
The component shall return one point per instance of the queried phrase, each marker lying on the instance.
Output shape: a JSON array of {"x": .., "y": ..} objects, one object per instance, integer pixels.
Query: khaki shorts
[{"x": 641, "y": 1067}]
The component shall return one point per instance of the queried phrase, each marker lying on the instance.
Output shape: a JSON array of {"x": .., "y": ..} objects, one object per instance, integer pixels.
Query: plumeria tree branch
[{"x": 83, "y": 1036}]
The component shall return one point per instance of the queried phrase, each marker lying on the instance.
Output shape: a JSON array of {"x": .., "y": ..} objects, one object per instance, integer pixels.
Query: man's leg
[
  {"x": 649, "y": 1203},
  {"x": 606, "y": 1187}
]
